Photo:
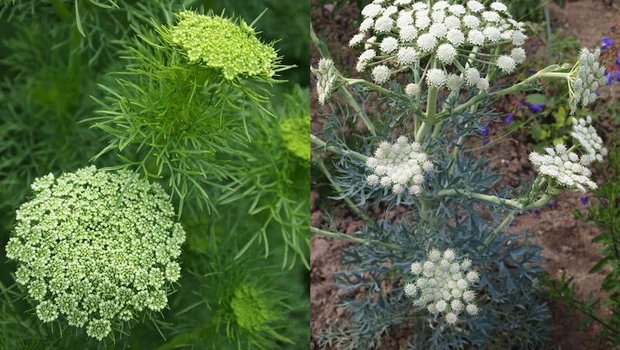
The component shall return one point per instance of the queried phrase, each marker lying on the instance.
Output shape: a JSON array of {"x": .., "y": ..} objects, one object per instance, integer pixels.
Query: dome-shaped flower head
[
  {"x": 444, "y": 32},
  {"x": 400, "y": 166},
  {"x": 327, "y": 79},
  {"x": 567, "y": 168},
  {"x": 585, "y": 79},
  {"x": 96, "y": 248},
  {"x": 588, "y": 138},
  {"x": 222, "y": 44},
  {"x": 442, "y": 285}
]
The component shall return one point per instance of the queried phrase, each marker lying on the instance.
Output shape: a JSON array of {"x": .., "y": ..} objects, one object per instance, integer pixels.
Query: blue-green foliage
[{"x": 512, "y": 311}]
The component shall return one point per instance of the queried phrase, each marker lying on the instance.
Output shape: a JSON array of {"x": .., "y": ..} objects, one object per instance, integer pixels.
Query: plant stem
[
  {"x": 347, "y": 153},
  {"x": 431, "y": 110},
  {"x": 484, "y": 197},
  {"x": 348, "y": 238},
  {"x": 346, "y": 95},
  {"x": 338, "y": 189}
]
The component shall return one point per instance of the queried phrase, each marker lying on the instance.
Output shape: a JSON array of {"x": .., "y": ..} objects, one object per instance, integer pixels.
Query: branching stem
[
  {"x": 343, "y": 152},
  {"x": 348, "y": 238}
]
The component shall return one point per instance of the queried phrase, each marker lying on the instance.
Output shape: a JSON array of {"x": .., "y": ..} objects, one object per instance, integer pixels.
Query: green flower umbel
[
  {"x": 220, "y": 43},
  {"x": 96, "y": 248}
]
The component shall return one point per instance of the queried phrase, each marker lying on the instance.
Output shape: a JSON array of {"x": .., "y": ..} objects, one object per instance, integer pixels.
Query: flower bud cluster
[
  {"x": 443, "y": 285},
  {"x": 399, "y": 33},
  {"x": 588, "y": 138},
  {"x": 401, "y": 166},
  {"x": 585, "y": 79},
  {"x": 327, "y": 79},
  {"x": 222, "y": 44},
  {"x": 96, "y": 248},
  {"x": 566, "y": 167}
]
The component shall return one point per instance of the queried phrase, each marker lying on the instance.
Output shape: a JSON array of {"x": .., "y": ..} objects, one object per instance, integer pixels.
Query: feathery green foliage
[{"x": 77, "y": 76}]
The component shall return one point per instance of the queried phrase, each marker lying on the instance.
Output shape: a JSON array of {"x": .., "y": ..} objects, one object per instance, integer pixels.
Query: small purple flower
[
  {"x": 537, "y": 211},
  {"x": 485, "y": 131},
  {"x": 584, "y": 200},
  {"x": 536, "y": 107},
  {"x": 610, "y": 78},
  {"x": 532, "y": 71},
  {"x": 618, "y": 75},
  {"x": 606, "y": 43},
  {"x": 509, "y": 118},
  {"x": 618, "y": 59},
  {"x": 552, "y": 205}
]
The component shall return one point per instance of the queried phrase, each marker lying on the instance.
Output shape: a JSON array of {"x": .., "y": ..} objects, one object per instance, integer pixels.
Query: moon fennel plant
[{"x": 436, "y": 67}]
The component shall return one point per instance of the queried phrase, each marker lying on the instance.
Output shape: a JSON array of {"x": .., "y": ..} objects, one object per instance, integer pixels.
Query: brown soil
[{"x": 566, "y": 242}]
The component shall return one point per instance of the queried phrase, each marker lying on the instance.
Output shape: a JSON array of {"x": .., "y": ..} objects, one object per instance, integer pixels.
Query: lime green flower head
[
  {"x": 96, "y": 248},
  {"x": 220, "y": 43}
]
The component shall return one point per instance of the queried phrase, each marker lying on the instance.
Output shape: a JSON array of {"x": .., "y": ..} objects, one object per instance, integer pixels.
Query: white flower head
[
  {"x": 446, "y": 53},
  {"x": 588, "y": 138},
  {"x": 407, "y": 56},
  {"x": 559, "y": 165},
  {"x": 408, "y": 33},
  {"x": 400, "y": 163},
  {"x": 427, "y": 42},
  {"x": 388, "y": 45},
  {"x": 412, "y": 89},
  {"x": 436, "y": 78},
  {"x": 442, "y": 285},
  {"x": 356, "y": 39},
  {"x": 585, "y": 78},
  {"x": 384, "y": 24},
  {"x": 327, "y": 79},
  {"x": 381, "y": 74},
  {"x": 506, "y": 64},
  {"x": 445, "y": 31},
  {"x": 372, "y": 10}
]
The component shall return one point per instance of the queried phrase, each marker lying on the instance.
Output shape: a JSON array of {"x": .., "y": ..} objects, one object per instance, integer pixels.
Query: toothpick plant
[
  {"x": 154, "y": 180},
  {"x": 434, "y": 68}
]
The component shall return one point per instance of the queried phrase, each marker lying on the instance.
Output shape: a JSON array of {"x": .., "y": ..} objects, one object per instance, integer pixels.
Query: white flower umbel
[
  {"x": 565, "y": 167},
  {"x": 445, "y": 31},
  {"x": 588, "y": 138},
  {"x": 443, "y": 285},
  {"x": 327, "y": 79},
  {"x": 400, "y": 166},
  {"x": 96, "y": 248},
  {"x": 585, "y": 79}
]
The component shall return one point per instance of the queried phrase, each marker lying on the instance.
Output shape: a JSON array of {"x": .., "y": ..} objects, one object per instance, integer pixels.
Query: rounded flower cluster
[
  {"x": 400, "y": 165},
  {"x": 399, "y": 33},
  {"x": 327, "y": 79},
  {"x": 96, "y": 248},
  {"x": 443, "y": 285},
  {"x": 222, "y": 44},
  {"x": 588, "y": 138},
  {"x": 586, "y": 77},
  {"x": 566, "y": 167}
]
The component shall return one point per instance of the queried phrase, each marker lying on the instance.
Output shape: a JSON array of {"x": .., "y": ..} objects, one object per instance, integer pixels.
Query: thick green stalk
[{"x": 431, "y": 110}]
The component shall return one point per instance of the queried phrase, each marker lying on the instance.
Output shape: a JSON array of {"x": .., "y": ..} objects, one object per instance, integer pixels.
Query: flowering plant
[
  {"x": 436, "y": 67},
  {"x": 153, "y": 176}
]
